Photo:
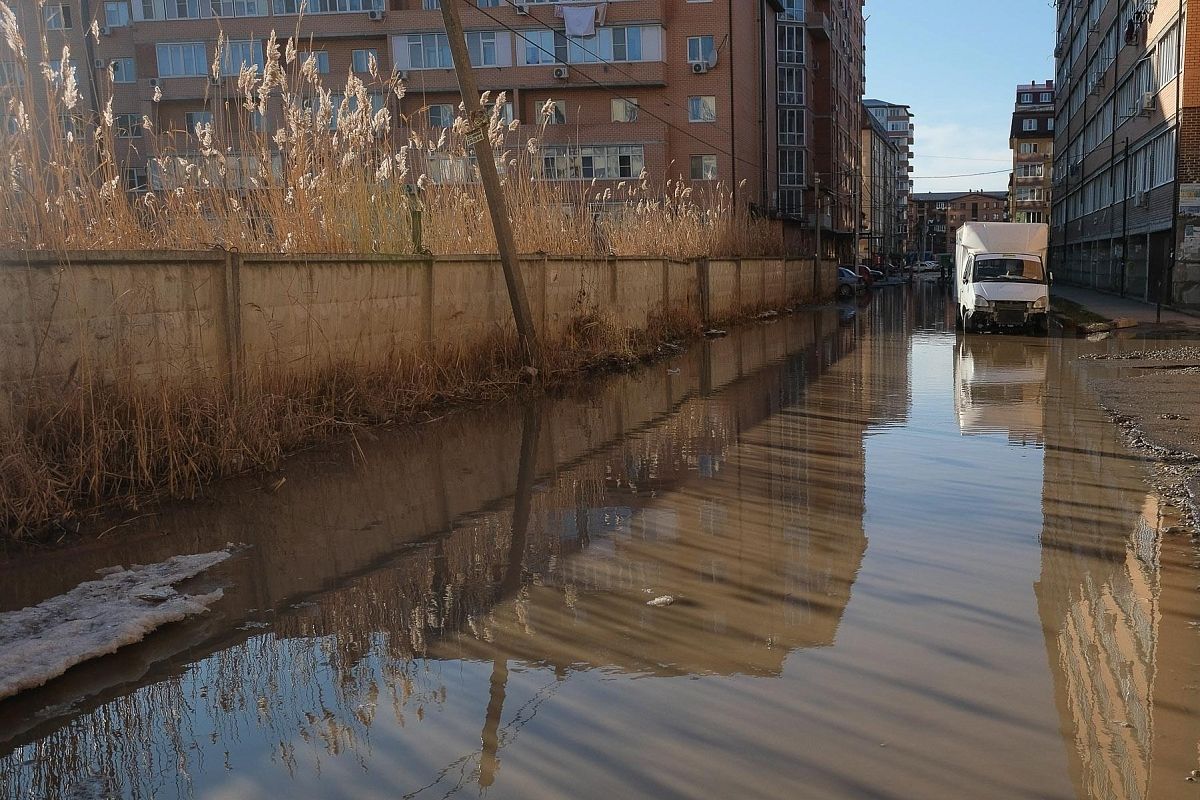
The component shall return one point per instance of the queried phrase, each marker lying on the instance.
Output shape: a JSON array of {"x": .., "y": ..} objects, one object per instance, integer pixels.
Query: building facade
[
  {"x": 1121, "y": 100},
  {"x": 935, "y": 217},
  {"x": 881, "y": 240},
  {"x": 1032, "y": 142},
  {"x": 898, "y": 120},
  {"x": 761, "y": 97}
]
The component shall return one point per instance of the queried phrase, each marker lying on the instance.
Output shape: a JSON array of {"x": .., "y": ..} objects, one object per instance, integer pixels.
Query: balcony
[{"x": 817, "y": 23}]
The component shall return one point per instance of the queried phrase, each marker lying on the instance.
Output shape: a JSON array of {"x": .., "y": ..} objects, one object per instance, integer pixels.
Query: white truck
[{"x": 1001, "y": 276}]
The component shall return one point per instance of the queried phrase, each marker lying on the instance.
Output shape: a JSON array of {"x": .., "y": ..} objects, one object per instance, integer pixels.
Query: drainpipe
[
  {"x": 1125, "y": 221},
  {"x": 732, "y": 111},
  {"x": 1168, "y": 280},
  {"x": 762, "y": 102}
]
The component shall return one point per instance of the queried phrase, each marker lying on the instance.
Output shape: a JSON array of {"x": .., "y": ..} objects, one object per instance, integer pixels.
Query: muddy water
[{"x": 904, "y": 565}]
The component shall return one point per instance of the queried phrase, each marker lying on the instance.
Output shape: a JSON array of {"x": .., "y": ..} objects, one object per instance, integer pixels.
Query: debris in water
[
  {"x": 673, "y": 371},
  {"x": 715, "y": 333},
  {"x": 661, "y": 602},
  {"x": 96, "y": 618}
]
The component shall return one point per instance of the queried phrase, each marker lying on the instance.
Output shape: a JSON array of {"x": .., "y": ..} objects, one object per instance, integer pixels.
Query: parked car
[
  {"x": 867, "y": 274},
  {"x": 849, "y": 283}
]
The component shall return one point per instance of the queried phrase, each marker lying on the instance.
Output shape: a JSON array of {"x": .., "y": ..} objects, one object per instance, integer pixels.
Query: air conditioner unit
[
  {"x": 520, "y": 8},
  {"x": 1149, "y": 103},
  {"x": 375, "y": 15},
  {"x": 699, "y": 68},
  {"x": 403, "y": 74},
  {"x": 561, "y": 73},
  {"x": 152, "y": 82},
  {"x": 1142, "y": 200},
  {"x": 105, "y": 30},
  {"x": 99, "y": 63}
]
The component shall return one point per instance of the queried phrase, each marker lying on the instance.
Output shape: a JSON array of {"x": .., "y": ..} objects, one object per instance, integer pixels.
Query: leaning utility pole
[{"x": 477, "y": 137}]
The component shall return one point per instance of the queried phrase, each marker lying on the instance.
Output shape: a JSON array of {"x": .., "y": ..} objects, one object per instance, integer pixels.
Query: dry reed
[{"x": 290, "y": 165}]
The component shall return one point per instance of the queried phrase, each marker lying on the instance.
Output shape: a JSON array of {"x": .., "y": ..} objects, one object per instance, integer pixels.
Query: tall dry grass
[{"x": 275, "y": 174}]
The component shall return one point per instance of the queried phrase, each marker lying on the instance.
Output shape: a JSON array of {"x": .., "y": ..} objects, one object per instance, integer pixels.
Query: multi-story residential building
[
  {"x": 881, "y": 196},
  {"x": 935, "y": 217},
  {"x": 760, "y": 96},
  {"x": 1121, "y": 100},
  {"x": 1032, "y": 142},
  {"x": 898, "y": 119}
]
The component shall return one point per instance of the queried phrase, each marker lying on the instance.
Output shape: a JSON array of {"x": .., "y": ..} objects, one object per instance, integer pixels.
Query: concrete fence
[{"x": 186, "y": 316}]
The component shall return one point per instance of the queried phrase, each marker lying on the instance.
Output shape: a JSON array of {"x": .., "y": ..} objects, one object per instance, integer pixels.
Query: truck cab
[{"x": 1002, "y": 279}]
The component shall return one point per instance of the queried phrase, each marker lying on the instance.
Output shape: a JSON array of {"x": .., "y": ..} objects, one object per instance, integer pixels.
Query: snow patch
[{"x": 96, "y": 618}]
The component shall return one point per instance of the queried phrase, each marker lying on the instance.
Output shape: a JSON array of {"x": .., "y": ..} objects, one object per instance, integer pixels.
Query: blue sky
[{"x": 958, "y": 63}]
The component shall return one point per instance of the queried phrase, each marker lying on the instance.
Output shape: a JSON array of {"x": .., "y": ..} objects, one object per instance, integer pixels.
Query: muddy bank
[{"x": 1152, "y": 390}]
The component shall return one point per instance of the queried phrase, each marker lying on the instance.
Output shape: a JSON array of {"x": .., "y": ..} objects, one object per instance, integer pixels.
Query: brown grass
[
  {"x": 116, "y": 447},
  {"x": 293, "y": 183}
]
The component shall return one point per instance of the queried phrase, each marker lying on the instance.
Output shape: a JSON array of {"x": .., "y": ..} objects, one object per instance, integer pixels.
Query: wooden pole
[{"x": 477, "y": 137}]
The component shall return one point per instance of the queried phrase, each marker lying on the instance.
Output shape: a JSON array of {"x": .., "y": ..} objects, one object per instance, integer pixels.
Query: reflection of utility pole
[
  {"x": 477, "y": 136},
  {"x": 510, "y": 585}
]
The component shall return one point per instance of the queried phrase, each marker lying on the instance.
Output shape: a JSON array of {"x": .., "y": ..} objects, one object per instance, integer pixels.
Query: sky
[{"x": 958, "y": 63}]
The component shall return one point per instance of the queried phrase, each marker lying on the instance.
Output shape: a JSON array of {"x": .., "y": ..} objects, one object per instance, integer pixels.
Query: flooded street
[{"x": 903, "y": 563}]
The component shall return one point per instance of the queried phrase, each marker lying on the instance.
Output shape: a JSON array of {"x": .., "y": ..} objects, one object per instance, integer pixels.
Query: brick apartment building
[
  {"x": 762, "y": 96},
  {"x": 898, "y": 120},
  {"x": 1123, "y": 92},
  {"x": 935, "y": 217},
  {"x": 1032, "y": 143},
  {"x": 881, "y": 240}
]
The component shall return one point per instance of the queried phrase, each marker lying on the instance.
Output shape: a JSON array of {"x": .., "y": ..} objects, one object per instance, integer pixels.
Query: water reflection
[{"x": 462, "y": 609}]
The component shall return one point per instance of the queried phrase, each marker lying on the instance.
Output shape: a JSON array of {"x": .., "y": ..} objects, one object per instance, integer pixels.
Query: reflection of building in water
[
  {"x": 1112, "y": 598},
  {"x": 747, "y": 484},
  {"x": 1000, "y": 386},
  {"x": 886, "y": 327}
]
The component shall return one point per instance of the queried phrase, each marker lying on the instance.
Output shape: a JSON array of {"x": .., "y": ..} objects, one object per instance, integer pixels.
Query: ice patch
[{"x": 96, "y": 618}]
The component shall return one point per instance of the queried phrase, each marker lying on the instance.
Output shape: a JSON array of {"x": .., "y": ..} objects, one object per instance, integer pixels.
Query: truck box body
[{"x": 1001, "y": 275}]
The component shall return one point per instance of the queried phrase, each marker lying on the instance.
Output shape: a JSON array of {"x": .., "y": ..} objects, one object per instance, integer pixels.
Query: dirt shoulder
[{"x": 1153, "y": 392}]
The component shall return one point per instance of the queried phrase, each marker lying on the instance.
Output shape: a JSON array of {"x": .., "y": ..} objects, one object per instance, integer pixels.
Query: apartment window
[
  {"x": 791, "y": 127},
  {"x": 57, "y": 17},
  {"x": 702, "y": 108},
  {"x": 1163, "y": 158},
  {"x": 116, "y": 14},
  {"x": 624, "y": 109},
  {"x": 182, "y": 60},
  {"x": 545, "y": 47},
  {"x": 1026, "y": 97},
  {"x": 136, "y": 180},
  {"x": 1029, "y": 147},
  {"x": 489, "y": 3},
  {"x": 481, "y": 46},
  {"x": 441, "y": 115},
  {"x": 1030, "y": 171},
  {"x": 122, "y": 70},
  {"x": 791, "y": 168},
  {"x": 192, "y": 119},
  {"x": 1029, "y": 125},
  {"x": 789, "y": 44},
  {"x": 594, "y": 162},
  {"x": 552, "y": 112},
  {"x": 58, "y": 68},
  {"x": 1046, "y": 97},
  {"x": 431, "y": 5},
  {"x": 428, "y": 51},
  {"x": 704, "y": 168},
  {"x": 1167, "y": 54},
  {"x": 10, "y": 75},
  {"x": 1050, "y": 124},
  {"x": 320, "y": 60},
  {"x": 127, "y": 126},
  {"x": 701, "y": 49},
  {"x": 325, "y": 6},
  {"x": 1030, "y": 195},
  {"x": 626, "y": 44},
  {"x": 241, "y": 54},
  {"x": 361, "y": 59}
]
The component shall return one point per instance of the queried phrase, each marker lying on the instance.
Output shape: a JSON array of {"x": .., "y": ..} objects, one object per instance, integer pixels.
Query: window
[
  {"x": 1030, "y": 171},
  {"x": 481, "y": 46},
  {"x": 58, "y": 68},
  {"x": 1029, "y": 125},
  {"x": 441, "y": 115},
  {"x": 325, "y": 6},
  {"x": 1046, "y": 97},
  {"x": 790, "y": 89},
  {"x": 182, "y": 60},
  {"x": 1050, "y": 124},
  {"x": 320, "y": 60},
  {"x": 593, "y": 162},
  {"x": 116, "y": 14},
  {"x": 431, "y": 5},
  {"x": 10, "y": 75},
  {"x": 702, "y": 108},
  {"x": 241, "y": 54},
  {"x": 704, "y": 168},
  {"x": 1029, "y": 147},
  {"x": 544, "y": 47},
  {"x": 624, "y": 109},
  {"x": 428, "y": 51},
  {"x": 127, "y": 126},
  {"x": 1167, "y": 54},
  {"x": 361, "y": 59},
  {"x": 552, "y": 112},
  {"x": 135, "y": 180},
  {"x": 791, "y": 169},
  {"x": 58, "y": 17},
  {"x": 1026, "y": 97},
  {"x": 194, "y": 118},
  {"x": 701, "y": 49},
  {"x": 122, "y": 70},
  {"x": 791, "y": 127},
  {"x": 608, "y": 44},
  {"x": 789, "y": 48}
]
